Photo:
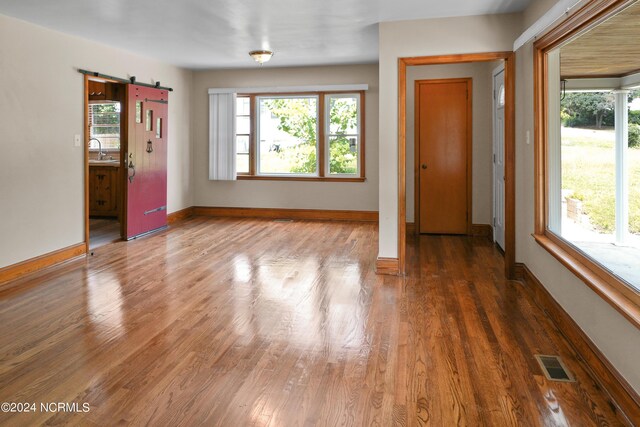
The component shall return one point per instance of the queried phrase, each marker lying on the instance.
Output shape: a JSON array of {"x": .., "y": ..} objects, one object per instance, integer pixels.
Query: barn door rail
[{"x": 131, "y": 80}]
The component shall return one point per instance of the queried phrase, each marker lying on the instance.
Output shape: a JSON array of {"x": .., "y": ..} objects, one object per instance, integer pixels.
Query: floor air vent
[
  {"x": 554, "y": 368},
  {"x": 282, "y": 220}
]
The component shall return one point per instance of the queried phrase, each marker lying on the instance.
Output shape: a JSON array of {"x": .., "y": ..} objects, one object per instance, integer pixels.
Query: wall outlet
[{"x": 77, "y": 140}]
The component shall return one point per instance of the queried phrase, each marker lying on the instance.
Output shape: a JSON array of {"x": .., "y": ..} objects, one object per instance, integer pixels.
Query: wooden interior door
[
  {"x": 443, "y": 141},
  {"x": 147, "y": 112}
]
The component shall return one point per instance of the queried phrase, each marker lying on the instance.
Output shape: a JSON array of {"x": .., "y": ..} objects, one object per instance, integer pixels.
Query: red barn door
[{"x": 146, "y": 160}]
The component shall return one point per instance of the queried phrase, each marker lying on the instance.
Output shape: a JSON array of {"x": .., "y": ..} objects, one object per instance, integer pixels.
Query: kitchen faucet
[{"x": 101, "y": 155}]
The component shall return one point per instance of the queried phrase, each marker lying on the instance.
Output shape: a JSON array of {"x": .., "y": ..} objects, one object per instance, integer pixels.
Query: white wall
[
  {"x": 618, "y": 340},
  {"x": 482, "y": 133},
  {"x": 285, "y": 194},
  {"x": 472, "y": 34},
  {"x": 42, "y": 173}
]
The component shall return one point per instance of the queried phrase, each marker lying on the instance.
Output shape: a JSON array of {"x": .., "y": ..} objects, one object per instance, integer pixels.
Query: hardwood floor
[
  {"x": 103, "y": 231},
  {"x": 238, "y": 322}
]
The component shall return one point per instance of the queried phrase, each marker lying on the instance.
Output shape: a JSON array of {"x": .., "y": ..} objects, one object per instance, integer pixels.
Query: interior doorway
[
  {"x": 105, "y": 142},
  {"x": 509, "y": 148},
  {"x": 443, "y": 154}
]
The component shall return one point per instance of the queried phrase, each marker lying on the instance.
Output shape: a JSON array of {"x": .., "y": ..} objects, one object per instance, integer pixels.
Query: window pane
[
  {"x": 106, "y": 118},
  {"x": 105, "y": 130},
  {"x": 288, "y": 135},
  {"x": 634, "y": 172},
  {"x": 588, "y": 162},
  {"x": 588, "y": 184},
  {"x": 242, "y": 163},
  {"x": 242, "y": 144},
  {"x": 343, "y": 155},
  {"x": 243, "y": 106},
  {"x": 104, "y": 121},
  {"x": 243, "y": 125},
  {"x": 343, "y": 113},
  {"x": 242, "y": 153}
]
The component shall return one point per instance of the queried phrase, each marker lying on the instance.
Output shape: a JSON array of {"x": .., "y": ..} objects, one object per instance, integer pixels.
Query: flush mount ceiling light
[{"x": 261, "y": 56}]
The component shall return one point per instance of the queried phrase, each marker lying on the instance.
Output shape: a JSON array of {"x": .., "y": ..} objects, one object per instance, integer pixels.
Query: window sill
[
  {"x": 299, "y": 178},
  {"x": 624, "y": 300}
]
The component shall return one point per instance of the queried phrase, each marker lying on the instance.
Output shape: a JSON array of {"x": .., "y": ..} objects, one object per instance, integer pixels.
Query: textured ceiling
[
  {"x": 611, "y": 49},
  {"x": 220, "y": 33}
]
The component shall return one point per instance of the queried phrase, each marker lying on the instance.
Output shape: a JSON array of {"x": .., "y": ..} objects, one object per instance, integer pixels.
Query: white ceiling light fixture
[{"x": 261, "y": 56}]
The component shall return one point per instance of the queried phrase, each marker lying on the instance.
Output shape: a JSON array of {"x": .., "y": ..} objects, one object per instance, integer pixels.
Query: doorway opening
[
  {"x": 404, "y": 134},
  {"x": 105, "y": 142}
]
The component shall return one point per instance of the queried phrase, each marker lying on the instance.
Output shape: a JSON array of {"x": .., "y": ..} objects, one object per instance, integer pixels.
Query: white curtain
[{"x": 222, "y": 136}]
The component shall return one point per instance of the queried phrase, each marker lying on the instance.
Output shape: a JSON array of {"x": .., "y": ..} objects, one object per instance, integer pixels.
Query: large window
[
  {"x": 104, "y": 125},
  {"x": 596, "y": 190},
  {"x": 300, "y": 136},
  {"x": 588, "y": 153}
]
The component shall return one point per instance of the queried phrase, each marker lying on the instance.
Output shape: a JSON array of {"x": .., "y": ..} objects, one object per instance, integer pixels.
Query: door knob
[{"x": 424, "y": 166}]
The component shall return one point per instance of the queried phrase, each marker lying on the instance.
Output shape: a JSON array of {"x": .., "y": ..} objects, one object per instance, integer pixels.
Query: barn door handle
[
  {"x": 132, "y": 166},
  {"x": 424, "y": 166}
]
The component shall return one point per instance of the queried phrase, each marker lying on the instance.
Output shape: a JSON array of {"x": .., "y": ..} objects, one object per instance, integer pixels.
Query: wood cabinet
[
  {"x": 97, "y": 91},
  {"x": 101, "y": 91},
  {"x": 104, "y": 191},
  {"x": 115, "y": 91}
]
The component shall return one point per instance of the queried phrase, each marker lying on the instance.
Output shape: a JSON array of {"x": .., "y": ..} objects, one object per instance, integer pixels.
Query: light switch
[
  {"x": 528, "y": 139},
  {"x": 77, "y": 140}
]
